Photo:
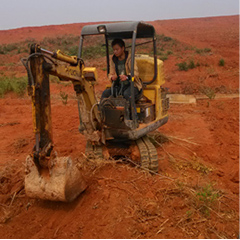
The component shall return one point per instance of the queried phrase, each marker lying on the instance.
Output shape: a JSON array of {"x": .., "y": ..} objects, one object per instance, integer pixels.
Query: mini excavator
[{"x": 114, "y": 125}]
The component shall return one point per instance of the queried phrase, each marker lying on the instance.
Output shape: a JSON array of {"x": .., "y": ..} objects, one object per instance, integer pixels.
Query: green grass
[
  {"x": 66, "y": 43},
  {"x": 184, "y": 66},
  {"x": 16, "y": 85},
  {"x": 208, "y": 91},
  {"x": 191, "y": 64},
  {"x": 73, "y": 51},
  {"x": 221, "y": 62},
  {"x": 94, "y": 51},
  {"x": 6, "y": 48},
  {"x": 207, "y": 197},
  {"x": 202, "y": 51}
]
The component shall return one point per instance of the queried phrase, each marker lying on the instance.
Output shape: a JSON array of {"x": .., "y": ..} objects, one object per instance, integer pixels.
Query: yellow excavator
[{"x": 111, "y": 127}]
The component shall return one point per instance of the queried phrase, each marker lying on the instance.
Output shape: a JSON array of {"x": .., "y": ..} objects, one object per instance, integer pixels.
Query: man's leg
[
  {"x": 127, "y": 93},
  {"x": 106, "y": 93}
]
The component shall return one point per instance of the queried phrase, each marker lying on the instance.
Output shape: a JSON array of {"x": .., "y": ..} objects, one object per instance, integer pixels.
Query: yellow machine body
[{"x": 108, "y": 124}]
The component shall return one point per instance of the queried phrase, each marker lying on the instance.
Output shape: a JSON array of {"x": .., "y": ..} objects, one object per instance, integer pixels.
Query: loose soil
[{"x": 195, "y": 194}]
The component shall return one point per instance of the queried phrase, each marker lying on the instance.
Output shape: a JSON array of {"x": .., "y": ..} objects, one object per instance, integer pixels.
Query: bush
[
  {"x": 163, "y": 57},
  {"x": 191, "y": 64},
  {"x": 167, "y": 39},
  {"x": 64, "y": 97},
  {"x": 95, "y": 51},
  {"x": 221, "y": 62},
  {"x": 5, "y": 48},
  {"x": 182, "y": 66},
  {"x": 205, "y": 50},
  {"x": 1, "y": 50},
  {"x": 73, "y": 51},
  {"x": 207, "y": 197},
  {"x": 64, "y": 43},
  {"x": 208, "y": 91},
  {"x": 17, "y": 85}
]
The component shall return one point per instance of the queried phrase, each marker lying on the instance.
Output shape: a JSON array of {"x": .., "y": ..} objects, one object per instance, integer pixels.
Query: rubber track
[
  {"x": 153, "y": 156},
  {"x": 143, "y": 153}
]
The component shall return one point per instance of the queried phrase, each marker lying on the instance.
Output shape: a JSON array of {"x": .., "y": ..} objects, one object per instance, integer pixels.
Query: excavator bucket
[{"x": 62, "y": 182}]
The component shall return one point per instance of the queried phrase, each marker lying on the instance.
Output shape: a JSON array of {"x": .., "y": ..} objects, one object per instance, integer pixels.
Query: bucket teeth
[{"x": 63, "y": 182}]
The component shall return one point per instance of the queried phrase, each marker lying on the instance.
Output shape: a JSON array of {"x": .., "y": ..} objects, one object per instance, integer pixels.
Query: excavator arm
[
  {"x": 40, "y": 64},
  {"x": 42, "y": 161}
]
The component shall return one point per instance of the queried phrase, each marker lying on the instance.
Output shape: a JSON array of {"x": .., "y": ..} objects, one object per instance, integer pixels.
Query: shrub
[
  {"x": 73, "y": 51},
  {"x": 198, "y": 64},
  {"x": 208, "y": 91},
  {"x": 167, "y": 39},
  {"x": 6, "y": 48},
  {"x": 64, "y": 97},
  {"x": 10, "y": 47},
  {"x": 17, "y": 85},
  {"x": 1, "y": 50},
  {"x": 95, "y": 51},
  {"x": 221, "y": 62},
  {"x": 204, "y": 50},
  {"x": 207, "y": 197},
  {"x": 164, "y": 57},
  {"x": 191, "y": 64},
  {"x": 182, "y": 66},
  {"x": 67, "y": 44}
]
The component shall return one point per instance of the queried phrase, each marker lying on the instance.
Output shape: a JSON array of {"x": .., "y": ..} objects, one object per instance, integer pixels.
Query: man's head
[{"x": 118, "y": 46}]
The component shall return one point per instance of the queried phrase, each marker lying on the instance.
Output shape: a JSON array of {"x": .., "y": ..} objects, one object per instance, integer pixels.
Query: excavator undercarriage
[{"x": 141, "y": 152}]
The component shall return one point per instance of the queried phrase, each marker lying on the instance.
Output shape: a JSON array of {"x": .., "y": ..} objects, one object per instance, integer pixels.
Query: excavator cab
[
  {"x": 129, "y": 121},
  {"x": 119, "y": 116}
]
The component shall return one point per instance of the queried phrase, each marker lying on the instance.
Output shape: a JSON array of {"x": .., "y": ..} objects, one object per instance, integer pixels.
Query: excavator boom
[{"x": 48, "y": 176}]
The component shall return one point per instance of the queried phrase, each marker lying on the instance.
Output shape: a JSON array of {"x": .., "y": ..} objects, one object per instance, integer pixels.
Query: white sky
[{"x": 23, "y": 13}]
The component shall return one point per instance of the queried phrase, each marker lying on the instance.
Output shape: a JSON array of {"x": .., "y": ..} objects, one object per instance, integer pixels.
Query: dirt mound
[{"x": 195, "y": 194}]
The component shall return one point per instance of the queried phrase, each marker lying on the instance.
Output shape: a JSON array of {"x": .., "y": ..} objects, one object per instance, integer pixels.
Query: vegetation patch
[
  {"x": 5, "y": 48},
  {"x": 184, "y": 66},
  {"x": 64, "y": 97},
  {"x": 67, "y": 43},
  {"x": 206, "y": 197},
  {"x": 208, "y": 91},
  {"x": 95, "y": 51},
  {"x": 203, "y": 51},
  {"x": 221, "y": 62},
  {"x": 16, "y": 85}
]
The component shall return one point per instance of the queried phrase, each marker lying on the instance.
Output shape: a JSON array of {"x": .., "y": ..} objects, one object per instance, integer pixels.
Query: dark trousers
[{"x": 126, "y": 92}]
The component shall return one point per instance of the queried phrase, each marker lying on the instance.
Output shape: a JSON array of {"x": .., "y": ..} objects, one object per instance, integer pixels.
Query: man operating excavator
[
  {"x": 115, "y": 126},
  {"x": 120, "y": 70}
]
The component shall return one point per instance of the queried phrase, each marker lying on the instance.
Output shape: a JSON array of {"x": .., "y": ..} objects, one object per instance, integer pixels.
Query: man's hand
[
  {"x": 114, "y": 77},
  {"x": 123, "y": 77}
]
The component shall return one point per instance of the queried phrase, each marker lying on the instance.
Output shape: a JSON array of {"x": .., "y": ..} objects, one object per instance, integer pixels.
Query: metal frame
[{"x": 124, "y": 30}]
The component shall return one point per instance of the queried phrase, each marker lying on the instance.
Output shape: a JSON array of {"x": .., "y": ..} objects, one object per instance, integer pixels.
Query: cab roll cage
[{"x": 123, "y": 30}]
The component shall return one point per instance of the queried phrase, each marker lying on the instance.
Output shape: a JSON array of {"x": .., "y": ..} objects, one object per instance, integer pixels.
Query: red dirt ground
[{"x": 195, "y": 195}]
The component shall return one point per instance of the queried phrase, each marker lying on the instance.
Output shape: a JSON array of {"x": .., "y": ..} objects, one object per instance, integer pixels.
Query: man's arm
[{"x": 112, "y": 76}]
